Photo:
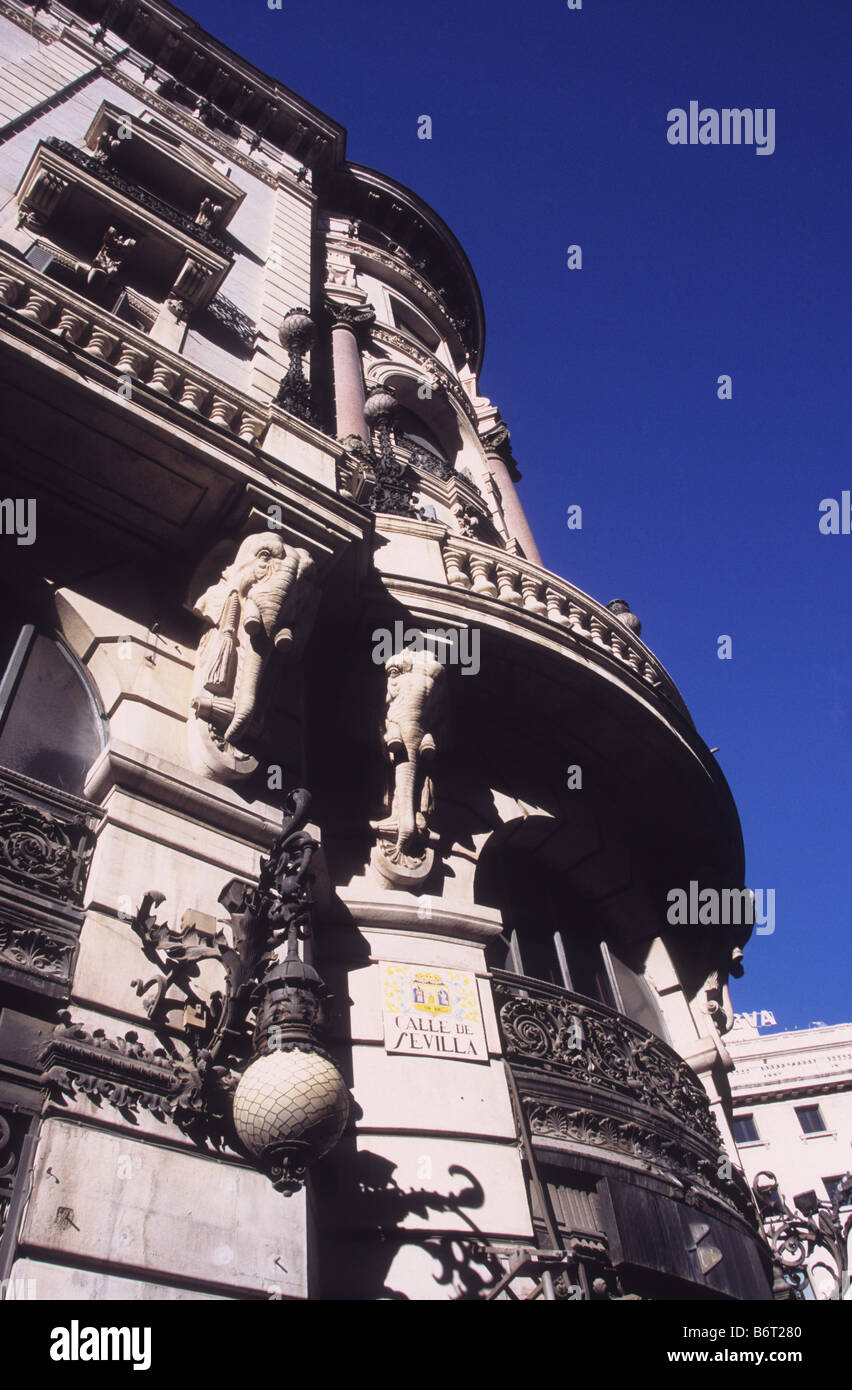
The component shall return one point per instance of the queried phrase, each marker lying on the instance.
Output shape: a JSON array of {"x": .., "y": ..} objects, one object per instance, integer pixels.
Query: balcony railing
[
  {"x": 590, "y": 1077},
  {"x": 127, "y": 188},
  {"x": 73, "y": 319},
  {"x": 506, "y": 579}
]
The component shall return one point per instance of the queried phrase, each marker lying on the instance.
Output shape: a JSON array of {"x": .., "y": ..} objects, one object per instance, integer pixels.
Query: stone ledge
[{"x": 166, "y": 784}]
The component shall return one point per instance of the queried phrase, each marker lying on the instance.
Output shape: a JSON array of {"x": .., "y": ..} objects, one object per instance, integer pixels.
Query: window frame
[{"x": 800, "y": 1110}]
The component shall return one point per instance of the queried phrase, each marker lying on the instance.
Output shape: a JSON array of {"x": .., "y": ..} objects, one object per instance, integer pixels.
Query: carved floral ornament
[
  {"x": 44, "y": 852},
  {"x": 260, "y": 610},
  {"x": 581, "y": 1042}
]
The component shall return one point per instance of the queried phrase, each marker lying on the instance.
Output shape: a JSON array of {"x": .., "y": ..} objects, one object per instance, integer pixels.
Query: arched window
[
  {"x": 50, "y": 726},
  {"x": 421, "y": 443}
]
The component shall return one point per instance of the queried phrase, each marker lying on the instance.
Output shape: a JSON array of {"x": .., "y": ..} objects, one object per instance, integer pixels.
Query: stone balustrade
[
  {"x": 494, "y": 574},
  {"x": 134, "y": 355}
]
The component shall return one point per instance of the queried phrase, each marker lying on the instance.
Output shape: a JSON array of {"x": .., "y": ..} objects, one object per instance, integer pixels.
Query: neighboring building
[
  {"x": 792, "y": 1096},
  {"x": 248, "y": 471}
]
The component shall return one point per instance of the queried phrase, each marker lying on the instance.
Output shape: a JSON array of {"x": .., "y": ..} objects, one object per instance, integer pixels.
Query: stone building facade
[
  {"x": 792, "y": 1097},
  {"x": 428, "y": 1034}
]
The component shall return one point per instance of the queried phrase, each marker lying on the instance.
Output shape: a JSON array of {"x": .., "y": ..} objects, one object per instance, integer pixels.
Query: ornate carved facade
[{"x": 279, "y": 546}]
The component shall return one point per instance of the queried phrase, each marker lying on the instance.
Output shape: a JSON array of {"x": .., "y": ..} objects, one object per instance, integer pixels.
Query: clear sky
[{"x": 549, "y": 129}]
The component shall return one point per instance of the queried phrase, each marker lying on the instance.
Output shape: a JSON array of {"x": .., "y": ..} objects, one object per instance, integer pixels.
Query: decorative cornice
[
  {"x": 157, "y": 34},
  {"x": 406, "y": 345},
  {"x": 123, "y": 1072},
  {"x": 399, "y": 267},
  {"x": 194, "y": 127}
]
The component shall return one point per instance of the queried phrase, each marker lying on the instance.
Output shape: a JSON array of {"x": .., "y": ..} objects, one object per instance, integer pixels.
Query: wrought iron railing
[
  {"x": 128, "y": 188},
  {"x": 588, "y": 1076}
]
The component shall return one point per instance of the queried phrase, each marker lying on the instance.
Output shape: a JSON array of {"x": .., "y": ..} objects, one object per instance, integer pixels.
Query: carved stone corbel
[
  {"x": 415, "y": 698},
  {"x": 42, "y": 200},
  {"x": 261, "y": 608},
  {"x": 111, "y": 255}
]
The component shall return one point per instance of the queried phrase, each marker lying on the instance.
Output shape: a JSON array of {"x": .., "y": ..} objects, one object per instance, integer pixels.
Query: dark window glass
[
  {"x": 638, "y": 998},
  {"x": 745, "y": 1130},
  {"x": 810, "y": 1118},
  {"x": 831, "y": 1185},
  {"x": 51, "y": 729},
  {"x": 587, "y": 969}
]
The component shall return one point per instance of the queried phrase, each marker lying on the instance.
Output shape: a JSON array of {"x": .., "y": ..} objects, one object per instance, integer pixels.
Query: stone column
[
  {"x": 347, "y": 320},
  {"x": 503, "y": 466}
]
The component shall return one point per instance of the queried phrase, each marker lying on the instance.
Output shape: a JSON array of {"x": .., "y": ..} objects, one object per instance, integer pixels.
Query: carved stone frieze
[
  {"x": 35, "y": 950},
  {"x": 408, "y": 348},
  {"x": 46, "y": 839}
]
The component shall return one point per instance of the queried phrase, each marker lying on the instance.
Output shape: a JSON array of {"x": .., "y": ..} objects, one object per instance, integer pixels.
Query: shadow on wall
[{"x": 362, "y": 1208}]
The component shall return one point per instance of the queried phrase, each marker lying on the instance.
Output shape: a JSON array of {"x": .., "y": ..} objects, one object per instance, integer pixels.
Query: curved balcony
[
  {"x": 592, "y": 1081},
  {"x": 509, "y": 580}
]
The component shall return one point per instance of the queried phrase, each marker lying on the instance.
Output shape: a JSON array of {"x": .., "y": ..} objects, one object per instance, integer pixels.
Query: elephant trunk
[
  {"x": 405, "y": 788},
  {"x": 252, "y": 665}
]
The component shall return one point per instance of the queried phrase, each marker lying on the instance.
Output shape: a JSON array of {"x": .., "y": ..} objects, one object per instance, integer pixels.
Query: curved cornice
[{"x": 363, "y": 194}]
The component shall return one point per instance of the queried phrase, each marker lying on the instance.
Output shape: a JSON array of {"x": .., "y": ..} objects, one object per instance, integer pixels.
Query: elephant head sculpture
[
  {"x": 415, "y": 694},
  {"x": 264, "y": 602}
]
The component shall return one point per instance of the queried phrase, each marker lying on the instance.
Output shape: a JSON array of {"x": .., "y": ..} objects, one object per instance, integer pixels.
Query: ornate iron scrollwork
[
  {"x": 572, "y": 1037},
  {"x": 288, "y": 1112},
  {"x": 808, "y": 1243},
  {"x": 182, "y": 221},
  {"x": 593, "y": 1077}
]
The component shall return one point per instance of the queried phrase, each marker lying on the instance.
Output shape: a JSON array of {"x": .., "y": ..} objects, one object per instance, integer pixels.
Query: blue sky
[{"x": 549, "y": 129}]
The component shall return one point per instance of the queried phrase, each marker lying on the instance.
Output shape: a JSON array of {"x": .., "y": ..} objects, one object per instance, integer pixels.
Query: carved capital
[{"x": 345, "y": 314}]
